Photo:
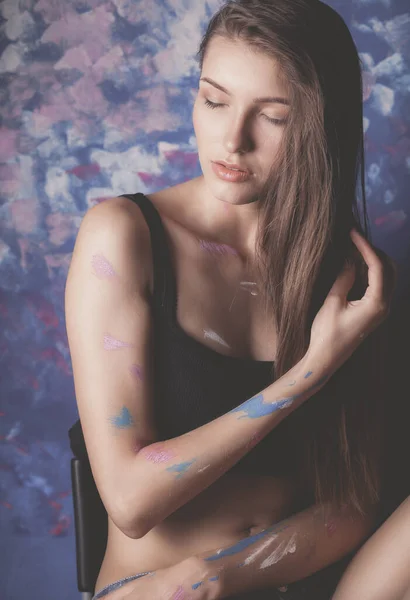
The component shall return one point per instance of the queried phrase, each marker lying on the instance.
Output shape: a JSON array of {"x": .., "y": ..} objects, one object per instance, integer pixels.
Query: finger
[
  {"x": 374, "y": 290},
  {"x": 344, "y": 282}
]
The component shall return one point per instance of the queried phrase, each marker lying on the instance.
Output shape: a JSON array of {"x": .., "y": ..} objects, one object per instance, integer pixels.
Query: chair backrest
[{"x": 91, "y": 525}]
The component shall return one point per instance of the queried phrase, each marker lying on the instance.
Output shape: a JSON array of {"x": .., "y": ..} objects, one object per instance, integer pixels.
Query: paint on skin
[
  {"x": 157, "y": 454},
  {"x": 212, "y": 335},
  {"x": 196, "y": 585},
  {"x": 249, "y": 286},
  {"x": 179, "y": 594},
  {"x": 136, "y": 371},
  {"x": 219, "y": 249},
  {"x": 215, "y": 578},
  {"x": 204, "y": 468},
  {"x": 293, "y": 383},
  {"x": 102, "y": 267},
  {"x": 111, "y": 343},
  {"x": 308, "y": 374},
  {"x": 255, "y": 407},
  {"x": 245, "y": 543},
  {"x": 252, "y": 557},
  {"x": 181, "y": 468},
  {"x": 280, "y": 552},
  {"x": 331, "y": 527},
  {"x": 123, "y": 419}
]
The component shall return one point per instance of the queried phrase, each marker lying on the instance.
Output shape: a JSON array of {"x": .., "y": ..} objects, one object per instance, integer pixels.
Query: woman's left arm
[{"x": 286, "y": 552}]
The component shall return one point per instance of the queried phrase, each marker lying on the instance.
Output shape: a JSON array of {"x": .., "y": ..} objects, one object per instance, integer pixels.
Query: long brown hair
[{"x": 307, "y": 209}]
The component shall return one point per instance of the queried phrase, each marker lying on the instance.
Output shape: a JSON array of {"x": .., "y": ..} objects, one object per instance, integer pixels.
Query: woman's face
[{"x": 246, "y": 126}]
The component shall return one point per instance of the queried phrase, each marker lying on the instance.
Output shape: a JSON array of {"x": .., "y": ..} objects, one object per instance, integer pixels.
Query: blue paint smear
[
  {"x": 243, "y": 544},
  {"x": 255, "y": 407},
  {"x": 214, "y": 578},
  {"x": 308, "y": 374},
  {"x": 196, "y": 585},
  {"x": 123, "y": 420},
  {"x": 181, "y": 468}
]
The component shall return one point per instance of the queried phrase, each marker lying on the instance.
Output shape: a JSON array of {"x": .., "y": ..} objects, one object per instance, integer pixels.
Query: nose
[{"x": 237, "y": 138}]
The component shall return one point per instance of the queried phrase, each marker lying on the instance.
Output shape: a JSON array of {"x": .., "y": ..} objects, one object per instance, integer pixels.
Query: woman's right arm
[{"x": 141, "y": 481}]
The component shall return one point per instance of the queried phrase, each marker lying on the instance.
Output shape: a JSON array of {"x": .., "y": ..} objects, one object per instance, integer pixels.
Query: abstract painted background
[{"x": 95, "y": 101}]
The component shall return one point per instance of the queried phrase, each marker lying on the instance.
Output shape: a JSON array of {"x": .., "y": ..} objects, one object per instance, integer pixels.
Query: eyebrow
[{"x": 273, "y": 99}]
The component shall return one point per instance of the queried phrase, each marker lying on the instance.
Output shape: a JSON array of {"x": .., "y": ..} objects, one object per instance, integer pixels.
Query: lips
[{"x": 232, "y": 166}]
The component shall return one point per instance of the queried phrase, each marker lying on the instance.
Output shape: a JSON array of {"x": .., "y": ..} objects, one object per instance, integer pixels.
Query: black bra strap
[{"x": 164, "y": 277}]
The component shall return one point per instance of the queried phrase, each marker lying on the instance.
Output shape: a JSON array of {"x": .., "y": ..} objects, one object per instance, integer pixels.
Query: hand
[
  {"x": 175, "y": 582},
  {"x": 341, "y": 325}
]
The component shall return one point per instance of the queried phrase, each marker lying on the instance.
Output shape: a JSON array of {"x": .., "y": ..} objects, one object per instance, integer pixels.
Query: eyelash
[{"x": 215, "y": 105}]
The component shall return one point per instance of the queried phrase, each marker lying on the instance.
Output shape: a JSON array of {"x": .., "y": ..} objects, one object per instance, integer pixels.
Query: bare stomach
[{"x": 235, "y": 506}]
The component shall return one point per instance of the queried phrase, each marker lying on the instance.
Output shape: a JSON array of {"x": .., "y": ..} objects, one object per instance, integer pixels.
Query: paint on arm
[{"x": 102, "y": 267}]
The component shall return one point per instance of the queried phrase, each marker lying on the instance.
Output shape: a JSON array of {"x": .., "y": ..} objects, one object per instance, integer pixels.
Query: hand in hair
[{"x": 341, "y": 325}]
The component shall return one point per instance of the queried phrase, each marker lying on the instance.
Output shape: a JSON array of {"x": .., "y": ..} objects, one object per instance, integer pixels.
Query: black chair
[{"x": 91, "y": 526}]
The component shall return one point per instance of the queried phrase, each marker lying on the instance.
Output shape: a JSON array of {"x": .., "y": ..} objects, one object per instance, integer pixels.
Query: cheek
[{"x": 205, "y": 122}]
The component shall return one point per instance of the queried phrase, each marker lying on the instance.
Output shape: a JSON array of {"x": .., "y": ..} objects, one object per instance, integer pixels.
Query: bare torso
[{"x": 211, "y": 300}]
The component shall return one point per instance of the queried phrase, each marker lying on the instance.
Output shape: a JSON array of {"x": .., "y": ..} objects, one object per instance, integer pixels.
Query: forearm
[
  {"x": 174, "y": 471},
  {"x": 286, "y": 552}
]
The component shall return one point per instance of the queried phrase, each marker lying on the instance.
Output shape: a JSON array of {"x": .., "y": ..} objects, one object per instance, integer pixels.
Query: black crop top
[{"x": 194, "y": 384}]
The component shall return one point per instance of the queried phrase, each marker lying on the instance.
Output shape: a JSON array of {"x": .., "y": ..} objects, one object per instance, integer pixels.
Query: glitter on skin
[
  {"x": 111, "y": 343},
  {"x": 215, "y": 248},
  {"x": 181, "y": 468},
  {"x": 123, "y": 420},
  {"x": 156, "y": 454},
  {"x": 136, "y": 370},
  {"x": 102, "y": 267},
  {"x": 212, "y": 335}
]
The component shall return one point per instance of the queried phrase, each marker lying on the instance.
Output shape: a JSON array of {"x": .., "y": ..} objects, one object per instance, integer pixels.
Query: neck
[{"x": 223, "y": 222}]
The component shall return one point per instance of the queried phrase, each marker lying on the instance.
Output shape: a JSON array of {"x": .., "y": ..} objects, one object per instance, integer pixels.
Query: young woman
[{"x": 224, "y": 331}]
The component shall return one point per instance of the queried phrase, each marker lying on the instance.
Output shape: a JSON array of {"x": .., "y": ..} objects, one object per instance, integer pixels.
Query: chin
[{"x": 233, "y": 193}]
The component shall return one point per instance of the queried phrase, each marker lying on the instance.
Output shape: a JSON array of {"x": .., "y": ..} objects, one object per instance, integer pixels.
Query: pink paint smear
[
  {"x": 214, "y": 248},
  {"x": 179, "y": 594},
  {"x": 157, "y": 455},
  {"x": 136, "y": 370},
  {"x": 111, "y": 343},
  {"x": 102, "y": 267}
]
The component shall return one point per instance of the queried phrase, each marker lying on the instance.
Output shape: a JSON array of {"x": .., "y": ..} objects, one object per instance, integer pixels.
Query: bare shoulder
[{"x": 117, "y": 228}]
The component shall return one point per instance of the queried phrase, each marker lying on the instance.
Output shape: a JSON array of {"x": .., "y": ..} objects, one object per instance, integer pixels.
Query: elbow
[
  {"x": 132, "y": 523},
  {"x": 135, "y": 531}
]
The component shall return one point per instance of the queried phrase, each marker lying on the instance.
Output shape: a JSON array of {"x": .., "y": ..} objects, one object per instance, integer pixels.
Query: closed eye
[{"x": 274, "y": 121}]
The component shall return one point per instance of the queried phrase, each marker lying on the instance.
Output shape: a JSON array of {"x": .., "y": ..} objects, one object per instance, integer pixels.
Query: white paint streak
[
  {"x": 212, "y": 335},
  {"x": 280, "y": 552},
  {"x": 249, "y": 286},
  {"x": 254, "y": 555}
]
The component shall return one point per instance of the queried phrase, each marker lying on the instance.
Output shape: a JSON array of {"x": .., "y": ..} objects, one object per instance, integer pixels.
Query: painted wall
[{"x": 95, "y": 100}]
